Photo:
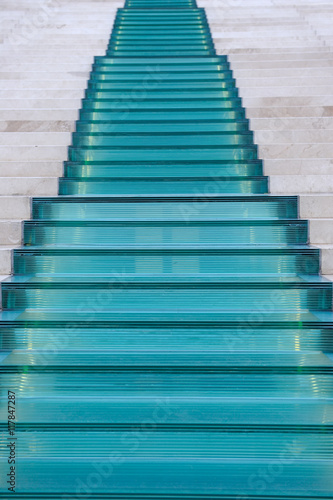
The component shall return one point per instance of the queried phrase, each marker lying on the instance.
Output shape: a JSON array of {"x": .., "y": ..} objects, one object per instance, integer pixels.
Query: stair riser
[
  {"x": 163, "y": 154},
  {"x": 194, "y": 208},
  {"x": 172, "y": 141},
  {"x": 140, "y": 102},
  {"x": 217, "y": 85},
  {"x": 157, "y": 128},
  {"x": 157, "y": 263},
  {"x": 157, "y": 300},
  {"x": 135, "y": 115},
  {"x": 134, "y": 171},
  {"x": 163, "y": 187},
  {"x": 92, "y": 383},
  {"x": 173, "y": 341},
  {"x": 109, "y": 95},
  {"x": 184, "y": 235}
]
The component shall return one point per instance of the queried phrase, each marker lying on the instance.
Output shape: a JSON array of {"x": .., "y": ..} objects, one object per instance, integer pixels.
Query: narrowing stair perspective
[{"x": 167, "y": 332}]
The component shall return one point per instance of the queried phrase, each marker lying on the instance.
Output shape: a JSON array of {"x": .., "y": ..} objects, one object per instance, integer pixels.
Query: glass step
[
  {"x": 151, "y": 39},
  {"x": 233, "y": 185},
  {"x": 161, "y": 4},
  {"x": 156, "y": 75},
  {"x": 183, "y": 362},
  {"x": 186, "y": 37},
  {"x": 187, "y": 234},
  {"x": 205, "y": 262},
  {"x": 193, "y": 412},
  {"x": 167, "y": 294},
  {"x": 170, "y": 87},
  {"x": 201, "y": 94},
  {"x": 160, "y": 23},
  {"x": 152, "y": 4},
  {"x": 162, "y": 19},
  {"x": 170, "y": 65},
  {"x": 166, "y": 12},
  {"x": 216, "y": 171},
  {"x": 156, "y": 53},
  {"x": 162, "y": 104},
  {"x": 171, "y": 30},
  {"x": 161, "y": 153},
  {"x": 180, "y": 208},
  {"x": 151, "y": 129},
  {"x": 166, "y": 64},
  {"x": 231, "y": 339},
  {"x": 307, "y": 386},
  {"x": 160, "y": 474},
  {"x": 160, "y": 116},
  {"x": 172, "y": 140}
]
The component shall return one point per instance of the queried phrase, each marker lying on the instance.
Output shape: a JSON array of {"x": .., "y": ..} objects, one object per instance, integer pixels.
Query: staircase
[{"x": 166, "y": 333}]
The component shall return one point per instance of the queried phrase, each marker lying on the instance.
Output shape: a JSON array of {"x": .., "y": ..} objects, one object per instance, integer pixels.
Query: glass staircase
[{"x": 166, "y": 333}]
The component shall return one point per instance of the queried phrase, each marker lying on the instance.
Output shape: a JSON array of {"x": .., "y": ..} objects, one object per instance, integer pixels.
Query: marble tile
[
  {"x": 15, "y": 207},
  {"x": 36, "y": 138},
  {"x": 28, "y": 186},
  {"x": 31, "y": 169},
  {"x": 11, "y": 126},
  {"x": 33, "y": 153},
  {"x": 301, "y": 183}
]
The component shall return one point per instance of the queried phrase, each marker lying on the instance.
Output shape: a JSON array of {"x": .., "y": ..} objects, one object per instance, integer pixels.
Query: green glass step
[
  {"x": 266, "y": 317},
  {"x": 152, "y": 129},
  {"x": 130, "y": 18},
  {"x": 193, "y": 361},
  {"x": 180, "y": 208},
  {"x": 161, "y": 104},
  {"x": 158, "y": 295},
  {"x": 155, "y": 53},
  {"x": 165, "y": 340},
  {"x": 158, "y": 72},
  {"x": 135, "y": 47},
  {"x": 216, "y": 63},
  {"x": 167, "y": 12},
  {"x": 160, "y": 4},
  {"x": 161, "y": 116},
  {"x": 190, "y": 234},
  {"x": 159, "y": 153},
  {"x": 192, "y": 412},
  {"x": 263, "y": 386},
  {"x": 171, "y": 140},
  {"x": 177, "y": 86},
  {"x": 222, "y": 464},
  {"x": 162, "y": 22},
  {"x": 128, "y": 170},
  {"x": 168, "y": 65},
  {"x": 145, "y": 185},
  {"x": 170, "y": 43},
  {"x": 187, "y": 38},
  {"x": 202, "y": 94},
  {"x": 232, "y": 339},
  {"x": 157, "y": 260},
  {"x": 155, "y": 75}
]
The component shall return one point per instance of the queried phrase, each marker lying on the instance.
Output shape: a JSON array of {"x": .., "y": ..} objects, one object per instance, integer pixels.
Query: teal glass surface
[{"x": 166, "y": 331}]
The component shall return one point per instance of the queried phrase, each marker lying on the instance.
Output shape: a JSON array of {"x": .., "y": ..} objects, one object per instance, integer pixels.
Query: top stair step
[{"x": 160, "y": 4}]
